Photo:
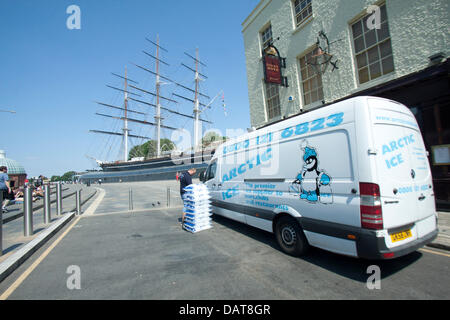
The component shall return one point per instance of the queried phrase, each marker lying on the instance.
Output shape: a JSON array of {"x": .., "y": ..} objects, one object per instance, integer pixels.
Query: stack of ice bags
[{"x": 197, "y": 208}]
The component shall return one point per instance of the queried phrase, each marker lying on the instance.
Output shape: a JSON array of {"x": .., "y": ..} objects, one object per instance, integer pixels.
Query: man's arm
[{"x": 7, "y": 184}]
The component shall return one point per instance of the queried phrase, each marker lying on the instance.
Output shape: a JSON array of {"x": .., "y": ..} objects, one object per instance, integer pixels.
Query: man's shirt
[
  {"x": 3, "y": 178},
  {"x": 185, "y": 180}
]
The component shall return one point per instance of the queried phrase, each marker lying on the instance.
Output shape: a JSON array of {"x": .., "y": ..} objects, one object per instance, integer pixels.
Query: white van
[{"x": 352, "y": 178}]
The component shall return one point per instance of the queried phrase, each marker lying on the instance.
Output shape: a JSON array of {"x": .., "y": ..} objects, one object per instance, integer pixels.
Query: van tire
[{"x": 290, "y": 237}]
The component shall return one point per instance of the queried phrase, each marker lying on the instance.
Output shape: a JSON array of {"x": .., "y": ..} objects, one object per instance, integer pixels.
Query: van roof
[{"x": 322, "y": 106}]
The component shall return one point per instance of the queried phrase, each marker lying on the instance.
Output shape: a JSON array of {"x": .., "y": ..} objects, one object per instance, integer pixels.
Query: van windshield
[{"x": 211, "y": 172}]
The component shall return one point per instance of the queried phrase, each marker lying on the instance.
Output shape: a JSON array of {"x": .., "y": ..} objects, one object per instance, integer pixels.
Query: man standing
[
  {"x": 185, "y": 179},
  {"x": 4, "y": 187}
]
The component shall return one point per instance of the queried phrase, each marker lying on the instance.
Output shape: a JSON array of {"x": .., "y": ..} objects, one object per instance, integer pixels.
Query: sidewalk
[
  {"x": 16, "y": 247},
  {"x": 443, "y": 239}
]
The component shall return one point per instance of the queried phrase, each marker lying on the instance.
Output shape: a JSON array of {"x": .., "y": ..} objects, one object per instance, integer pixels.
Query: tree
[
  {"x": 212, "y": 138},
  {"x": 55, "y": 178},
  {"x": 148, "y": 149},
  {"x": 68, "y": 176}
]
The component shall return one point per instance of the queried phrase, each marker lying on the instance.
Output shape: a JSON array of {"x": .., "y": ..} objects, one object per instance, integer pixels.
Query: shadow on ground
[{"x": 349, "y": 267}]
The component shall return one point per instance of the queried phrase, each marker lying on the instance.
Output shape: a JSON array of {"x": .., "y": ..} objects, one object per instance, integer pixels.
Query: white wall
[{"x": 418, "y": 29}]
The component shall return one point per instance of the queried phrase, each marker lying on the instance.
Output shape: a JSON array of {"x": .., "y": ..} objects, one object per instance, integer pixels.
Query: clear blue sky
[{"x": 51, "y": 75}]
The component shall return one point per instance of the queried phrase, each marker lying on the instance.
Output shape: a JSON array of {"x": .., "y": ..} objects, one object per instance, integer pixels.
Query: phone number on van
[{"x": 318, "y": 124}]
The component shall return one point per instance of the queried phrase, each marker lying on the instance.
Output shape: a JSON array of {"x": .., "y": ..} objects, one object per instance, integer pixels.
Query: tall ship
[{"x": 157, "y": 157}]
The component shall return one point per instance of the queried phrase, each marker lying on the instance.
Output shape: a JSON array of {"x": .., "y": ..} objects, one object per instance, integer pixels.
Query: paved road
[
  {"x": 146, "y": 255},
  {"x": 145, "y": 195},
  {"x": 12, "y": 232}
]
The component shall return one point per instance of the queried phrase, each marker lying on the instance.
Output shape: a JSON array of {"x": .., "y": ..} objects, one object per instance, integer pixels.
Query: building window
[
  {"x": 373, "y": 51},
  {"x": 266, "y": 37},
  {"x": 303, "y": 10},
  {"x": 311, "y": 79},
  {"x": 273, "y": 100}
]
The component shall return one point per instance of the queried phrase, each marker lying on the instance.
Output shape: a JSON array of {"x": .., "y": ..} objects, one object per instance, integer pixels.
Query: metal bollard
[
  {"x": 58, "y": 199},
  {"x": 168, "y": 197},
  {"x": 130, "y": 200},
  {"x": 78, "y": 200},
  {"x": 47, "y": 204},
  {"x": 1, "y": 224},
  {"x": 28, "y": 212}
]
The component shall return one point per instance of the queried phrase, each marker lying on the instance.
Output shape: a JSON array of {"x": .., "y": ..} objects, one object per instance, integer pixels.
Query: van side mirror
[{"x": 202, "y": 176}]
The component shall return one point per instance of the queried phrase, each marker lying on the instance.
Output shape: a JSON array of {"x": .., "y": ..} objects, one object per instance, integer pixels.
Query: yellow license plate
[{"x": 401, "y": 235}]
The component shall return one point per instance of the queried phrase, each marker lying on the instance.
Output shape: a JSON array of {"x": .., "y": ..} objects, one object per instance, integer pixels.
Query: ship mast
[
  {"x": 125, "y": 120},
  {"x": 197, "y": 127},
  {"x": 158, "y": 96},
  {"x": 196, "y": 101},
  {"x": 158, "y": 105},
  {"x": 125, "y": 131}
]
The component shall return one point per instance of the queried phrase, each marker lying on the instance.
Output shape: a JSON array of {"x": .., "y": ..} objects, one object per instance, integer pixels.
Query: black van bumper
[{"x": 371, "y": 247}]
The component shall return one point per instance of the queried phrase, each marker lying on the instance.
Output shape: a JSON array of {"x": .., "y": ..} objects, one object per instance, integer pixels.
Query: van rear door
[{"x": 402, "y": 166}]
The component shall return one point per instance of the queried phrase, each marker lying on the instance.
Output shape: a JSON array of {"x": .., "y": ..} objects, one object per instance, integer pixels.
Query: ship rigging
[{"x": 133, "y": 91}]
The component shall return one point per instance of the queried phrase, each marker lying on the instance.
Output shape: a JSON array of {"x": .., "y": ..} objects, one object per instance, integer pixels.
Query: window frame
[
  {"x": 307, "y": 82},
  {"x": 269, "y": 98},
  {"x": 384, "y": 59},
  {"x": 265, "y": 43},
  {"x": 308, "y": 7}
]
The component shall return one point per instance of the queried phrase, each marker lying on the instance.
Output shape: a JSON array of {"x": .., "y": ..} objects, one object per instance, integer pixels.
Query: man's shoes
[{"x": 4, "y": 210}]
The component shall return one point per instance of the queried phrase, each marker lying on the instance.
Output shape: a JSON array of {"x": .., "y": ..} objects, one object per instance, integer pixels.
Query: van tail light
[{"x": 371, "y": 215}]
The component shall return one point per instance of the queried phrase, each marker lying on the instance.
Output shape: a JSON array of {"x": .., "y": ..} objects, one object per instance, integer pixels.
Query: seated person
[
  {"x": 38, "y": 193},
  {"x": 18, "y": 195}
]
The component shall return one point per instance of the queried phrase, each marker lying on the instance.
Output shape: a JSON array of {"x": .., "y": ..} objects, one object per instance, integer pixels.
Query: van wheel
[{"x": 290, "y": 237}]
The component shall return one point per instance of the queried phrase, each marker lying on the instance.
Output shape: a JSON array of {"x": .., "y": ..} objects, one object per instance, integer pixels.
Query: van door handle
[
  {"x": 390, "y": 202},
  {"x": 219, "y": 185},
  {"x": 422, "y": 197}
]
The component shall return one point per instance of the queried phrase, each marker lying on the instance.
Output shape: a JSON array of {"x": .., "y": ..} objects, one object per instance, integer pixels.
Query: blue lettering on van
[
  {"x": 299, "y": 129},
  {"x": 413, "y": 188},
  {"x": 248, "y": 165},
  {"x": 236, "y": 147},
  {"x": 394, "y": 161},
  {"x": 396, "y": 120},
  {"x": 398, "y": 144},
  {"x": 405, "y": 190},
  {"x": 230, "y": 193},
  {"x": 265, "y": 138},
  {"x": 317, "y": 124}
]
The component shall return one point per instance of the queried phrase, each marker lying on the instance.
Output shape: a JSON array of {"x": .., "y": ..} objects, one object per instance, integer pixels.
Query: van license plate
[{"x": 401, "y": 235}]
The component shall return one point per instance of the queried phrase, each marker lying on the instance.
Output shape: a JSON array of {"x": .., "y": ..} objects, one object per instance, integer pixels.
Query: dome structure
[
  {"x": 13, "y": 166},
  {"x": 16, "y": 171}
]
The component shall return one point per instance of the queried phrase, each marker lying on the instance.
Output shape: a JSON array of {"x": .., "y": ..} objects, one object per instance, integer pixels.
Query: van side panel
[{"x": 266, "y": 173}]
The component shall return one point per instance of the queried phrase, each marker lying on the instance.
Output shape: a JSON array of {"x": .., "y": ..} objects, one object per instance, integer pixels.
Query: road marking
[
  {"x": 30, "y": 269},
  {"x": 134, "y": 211},
  {"x": 96, "y": 203},
  {"x": 435, "y": 252}
]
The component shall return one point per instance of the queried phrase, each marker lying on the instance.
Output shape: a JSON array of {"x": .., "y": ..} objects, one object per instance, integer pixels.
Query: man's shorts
[{"x": 5, "y": 194}]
